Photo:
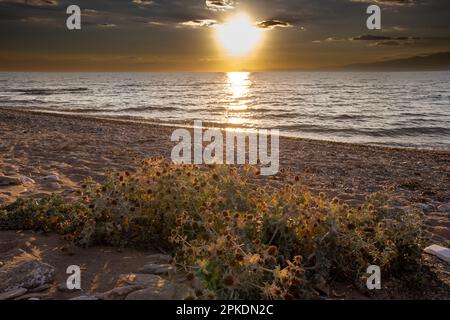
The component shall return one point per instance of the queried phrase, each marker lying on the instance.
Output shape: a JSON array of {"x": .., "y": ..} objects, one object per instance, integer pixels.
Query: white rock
[
  {"x": 26, "y": 180},
  {"x": 438, "y": 251}
]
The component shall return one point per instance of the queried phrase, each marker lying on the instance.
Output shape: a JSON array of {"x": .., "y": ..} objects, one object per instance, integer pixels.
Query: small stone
[
  {"x": 444, "y": 208},
  {"x": 438, "y": 251},
  {"x": 27, "y": 274},
  {"x": 13, "y": 294},
  {"x": 84, "y": 298},
  {"x": 118, "y": 293},
  {"x": 51, "y": 178},
  {"x": 34, "y": 296},
  {"x": 161, "y": 290},
  {"x": 9, "y": 181},
  {"x": 40, "y": 288},
  {"x": 137, "y": 279},
  {"x": 26, "y": 180},
  {"x": 158, "y": 269},
  {"x": 62, "y": 287},
  {"x": 160, "y": 258}
]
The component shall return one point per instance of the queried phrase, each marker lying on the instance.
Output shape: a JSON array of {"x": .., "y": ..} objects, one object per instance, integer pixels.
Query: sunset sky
[{"x": 182, "y": 35}]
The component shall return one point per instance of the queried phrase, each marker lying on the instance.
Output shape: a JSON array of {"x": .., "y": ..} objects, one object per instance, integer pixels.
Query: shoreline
[{"x": 222, "y": 127}]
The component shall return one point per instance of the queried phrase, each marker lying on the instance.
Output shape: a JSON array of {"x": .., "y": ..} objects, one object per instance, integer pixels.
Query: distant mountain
[{"x": 435, "y": 61}]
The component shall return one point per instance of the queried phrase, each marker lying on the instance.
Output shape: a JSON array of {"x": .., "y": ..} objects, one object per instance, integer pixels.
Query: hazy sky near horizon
[{"x": 179, "y": 35}]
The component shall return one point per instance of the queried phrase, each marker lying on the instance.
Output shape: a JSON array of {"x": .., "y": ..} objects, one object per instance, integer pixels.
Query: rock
[
  {"x": 28, "y": 274},
  {"x": 1, "y": 264},
  {"x": 34, "y": 296},
  {"x": 51, "y": 178},
  {"x": 118, "y": 293},
  {"x": 160, "y": 258},
  {"x": 161, "y": 289},
  {"x": 62, "y": 287},
  {"x": 438, "y": 251},
  {"x": 84, "y": 298},
  {"x": 54, "y": 185},
  {"x": 40, "y": 288},
  {"x": 444, "y": 208},
  {"x": 9, "y": 181},
  {"x": 26, "y": 180},
  {"x": 137, "y": 279},
  {"x": 159, "y": 269},
  {"x": 13, "y": 294}
]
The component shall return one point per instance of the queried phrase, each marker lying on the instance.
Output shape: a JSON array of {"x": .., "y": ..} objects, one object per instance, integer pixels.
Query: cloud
[
  {"x": 32, "y": 3},
  {"x": 37, "y": 20},
  {"x": 143, "y": 2},
  {"x": 219, "y": 5},
  {"x": 369, "y": 37},
  {"x": 89, "y": 12},
  {"x": 389, "y": 2},
  {"x": 270, "y": 24},
  {"x": 106, "y": 25},
  {"x": 199, "y": 23}
]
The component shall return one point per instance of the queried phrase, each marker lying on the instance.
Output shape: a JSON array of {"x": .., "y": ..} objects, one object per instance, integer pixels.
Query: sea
[{"x": 401, "y": 109}]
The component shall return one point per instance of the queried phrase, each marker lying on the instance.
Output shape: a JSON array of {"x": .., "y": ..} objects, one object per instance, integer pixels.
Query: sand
[
  {"x": 57, "y": 152},
  {"x": 39, "y": 146}
]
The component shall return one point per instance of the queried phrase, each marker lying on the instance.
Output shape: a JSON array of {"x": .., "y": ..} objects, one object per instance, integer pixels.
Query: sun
[{"x": 239, "y": 35}]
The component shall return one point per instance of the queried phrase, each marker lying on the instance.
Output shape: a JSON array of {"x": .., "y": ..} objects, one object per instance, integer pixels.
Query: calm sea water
[{"x": 399, "y": 109}]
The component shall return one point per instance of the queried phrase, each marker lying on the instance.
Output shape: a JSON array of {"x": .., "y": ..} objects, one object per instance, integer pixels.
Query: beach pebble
[
  {"x": 158, "y": 269},
  {"x": 51, "y": 178},
  {"x": 10, "y": 181},
  {"x": 444, "y": 208},
  {"x": 161, "y": 289},
  {"x": 85, "y": 298},
  {"x": 161, "y": 258},
  {"x": 137, "y": 279},
  {"x": 54, "y": 185},
  {"x": 33, "y": 296},
  {"x": 11, "y": 294},
  {"x": 438, "y": 251},
  {"x": 27, "y": 274},
  {"x": 118, "y": 293},
  {"x": 26, "y": 180}
]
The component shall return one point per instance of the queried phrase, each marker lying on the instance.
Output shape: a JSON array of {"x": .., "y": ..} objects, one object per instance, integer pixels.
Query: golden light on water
[
  {"x": 239, "y": 35},
  {"x": 239, "y": 84},
  {"x": 238, "y": 91}
]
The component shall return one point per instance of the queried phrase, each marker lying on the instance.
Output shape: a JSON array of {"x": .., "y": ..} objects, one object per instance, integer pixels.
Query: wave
[{"x": 37, "y": 92}]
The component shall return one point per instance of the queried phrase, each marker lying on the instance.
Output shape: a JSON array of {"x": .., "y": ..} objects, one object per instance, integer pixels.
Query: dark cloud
[
  {"x": 270, "y": 24},
  {"x": 199, "y": 23},
  {"x": 32, "y": 3},
  {"x": 369, "y": 37},
  {"x": 218, "y": 5},
  {"x": 144, "y": 2},
  {"x": 389, "y": 2}
]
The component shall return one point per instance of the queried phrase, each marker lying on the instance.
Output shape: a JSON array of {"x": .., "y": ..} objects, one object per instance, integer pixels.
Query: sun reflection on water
[{"x": 238, "y": 91}]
